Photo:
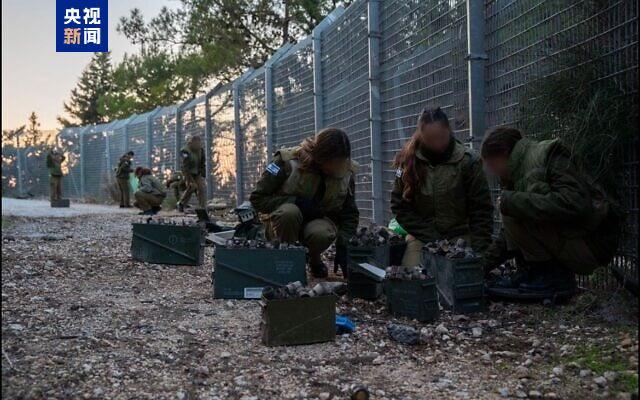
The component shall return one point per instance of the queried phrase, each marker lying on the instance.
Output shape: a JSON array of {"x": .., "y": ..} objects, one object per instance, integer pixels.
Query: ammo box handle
[
  {"x": 254, "y": 276},
  {"x": 165, "y": 247}
]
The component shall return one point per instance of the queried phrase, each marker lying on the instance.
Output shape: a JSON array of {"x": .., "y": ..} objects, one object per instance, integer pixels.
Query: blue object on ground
[{"x": 344, "y": 325}]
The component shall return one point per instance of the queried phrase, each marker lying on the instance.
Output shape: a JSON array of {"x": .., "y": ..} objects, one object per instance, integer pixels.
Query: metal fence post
[
  {"x": 126, "y": 132},
  {"x": 268, "y": 94},
  {"x": 476, "y": 60},
  {"x": 179, "y": 128},
  {"x": 107, "y": 140},
  {"x": 150, "y": 136},
  {"x": 82, "y": 159},
  {"x": 208, "y": 140},
  {"x": 316, "y": 45},
  {"x": 375, "y": 126},
  {"x": 238, "y": 135}
]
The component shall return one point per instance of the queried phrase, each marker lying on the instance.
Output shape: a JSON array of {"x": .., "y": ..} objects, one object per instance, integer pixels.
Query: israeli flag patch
[
  {"x": 273, "y": 169},
  {"x": 399, "y": 173}
]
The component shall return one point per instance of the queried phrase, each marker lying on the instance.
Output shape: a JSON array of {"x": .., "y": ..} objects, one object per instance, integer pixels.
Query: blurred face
[
  {"x": 497, "y": 165},
  {"x": 196, "y": 143},
  {"x": 335, "y": 167},
  {"x": 435, "y": 136}
]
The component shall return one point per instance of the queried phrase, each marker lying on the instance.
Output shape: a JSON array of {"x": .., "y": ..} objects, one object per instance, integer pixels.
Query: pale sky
[{"x": 34, "y": 76}]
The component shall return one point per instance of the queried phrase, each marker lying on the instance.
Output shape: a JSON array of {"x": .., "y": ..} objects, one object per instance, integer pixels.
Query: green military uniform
[
  {"x": 54, "y": 164},
  {"x": 176, "y": 183},
  {"x": 151, "y": 192},
  {"x": 551, "y": 213},
  {"x": 122, "y": 176},
  {"x": 193, "y": 170},
  {"x": 283, "y": 182},
  {"x": 453, "y": 201}
]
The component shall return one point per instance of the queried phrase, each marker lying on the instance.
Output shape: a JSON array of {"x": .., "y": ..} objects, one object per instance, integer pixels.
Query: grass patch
[
  {"x": 5, "y": 223},
  {"x": 601, "y": 359}
]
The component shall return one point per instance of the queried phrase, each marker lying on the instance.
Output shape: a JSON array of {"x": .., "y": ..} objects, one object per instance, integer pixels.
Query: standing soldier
[
  {"x": 151, "y": 192},
  {"x": 308, "y": 193},
  {"x": 122, "y": 176},
  {"x": 55, "y": 158},
  {"x": 193, "y": 170},
  {"x": 176, "y": 183}
]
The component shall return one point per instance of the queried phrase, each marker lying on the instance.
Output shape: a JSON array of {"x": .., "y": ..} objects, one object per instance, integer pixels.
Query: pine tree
[
  {"x": 96, "y": 80},
  {"x": 33, "y": 133}
]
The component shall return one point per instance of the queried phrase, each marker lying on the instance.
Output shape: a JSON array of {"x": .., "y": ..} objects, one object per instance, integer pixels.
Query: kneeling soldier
[
  {"x": 555, "y": 221},
  {"x": 150, "y": 194},
  {"x": 308, "y": 194}
]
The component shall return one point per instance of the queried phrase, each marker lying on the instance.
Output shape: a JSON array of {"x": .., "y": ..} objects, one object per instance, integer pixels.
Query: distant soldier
[
  {"x": 55, "y": 158},
  {"x": 122, "y": 176},
  {"x": 193, "y": 170},
  {"x": 177, "y": 184},
  {"x": 150, "y": 194}
]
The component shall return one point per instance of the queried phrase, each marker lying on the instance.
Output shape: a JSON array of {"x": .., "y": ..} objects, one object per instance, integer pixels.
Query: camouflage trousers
[
  {"x": 124, "y": 191},
  {"x": 146, "y": 201},
  {"x": 55, "y": 192},
  {"x": 539, "y": 242},
  {"x": 286, "y": 224},
  {"x": 413, "y": 253},
  {"x": 195, "y": 184}
]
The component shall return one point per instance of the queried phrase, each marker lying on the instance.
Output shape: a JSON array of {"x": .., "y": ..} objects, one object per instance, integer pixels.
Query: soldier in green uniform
[
  {"x": 440, "y": 189},
  {"x": 55, "y": 158},
  {"x": 177, "y": 184},
  {"x": 556, "y": 221},
  {"x": 151, "y": 192},
  {"x": 193, "y": 170},
  {"x": 307, "y": 194},
  {"x": 122, "y": 177}
]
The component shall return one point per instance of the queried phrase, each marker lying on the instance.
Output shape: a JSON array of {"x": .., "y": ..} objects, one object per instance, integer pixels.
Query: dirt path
[{"x": 82, "y": 320}]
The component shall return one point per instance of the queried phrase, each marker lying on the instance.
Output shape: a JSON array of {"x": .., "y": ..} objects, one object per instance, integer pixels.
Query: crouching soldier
[
  {"x": 55, "y": 158},
  {"x": 123, "y": 170},
  {"x": 193, "y": 171},
  {"x": 150, "y": 194},
  {"x": 556, "y": 222},
  {"x": 307, "y": 194},
  {"x": 440, "y": 190},
  {"x": 176, "y": 184}
]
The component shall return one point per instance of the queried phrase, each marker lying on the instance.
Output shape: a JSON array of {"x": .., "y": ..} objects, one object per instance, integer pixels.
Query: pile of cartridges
[
  {"x": 405, "y": 273},
  {"x": 242, "y": 243},
  {"x": 450, "y": 249},
  {"x": 297, "y": 290}
]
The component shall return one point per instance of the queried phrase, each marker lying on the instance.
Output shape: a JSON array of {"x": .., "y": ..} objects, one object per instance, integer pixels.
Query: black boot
[
  {"x": 319, "y": 270},
  {"x": 552, "y": 281},
  {"x": 180, "y": 207}
]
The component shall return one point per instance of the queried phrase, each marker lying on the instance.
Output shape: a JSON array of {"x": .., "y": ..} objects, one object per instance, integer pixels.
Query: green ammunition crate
[
  {"x": 416, "y": 299},
  {"x": 305, "y": 320},
  {"x": 460, "y": 283},
  {"x": 379, "y": 255},
  {"x": 61, "y": 203},
  {"x": 167, "y": 244},
  {"x": 362, "y": 284},
  {"x": 428, "y": 262},
  {"x": 242, "y": 273},
  {"x": 396, "y": 252}
]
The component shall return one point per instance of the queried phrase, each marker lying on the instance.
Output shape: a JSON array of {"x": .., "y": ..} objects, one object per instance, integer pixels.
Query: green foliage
[
  {"x": 96, "y": 80},
  {"x": 601, "y": 359}
]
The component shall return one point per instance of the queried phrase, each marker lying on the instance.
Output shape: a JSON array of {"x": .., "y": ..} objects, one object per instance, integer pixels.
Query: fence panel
[
  {"x": 9, "y": 171},
  {"x": 522, "y": 40},
  {"x": 95, "y": 166},
  {"x": 253, "y": 125},
  {"x": 117, "y": 144},
  {"x": 138, "y": 139},
  {"x": 345, "y": 84},
  {"x": 423, "y": 64},
  {"x": 69, "y": 140},
  {"x": 222, "y": 175},
  {"x": 163, "y": 144},
  {"x": 293, "y": 112}
]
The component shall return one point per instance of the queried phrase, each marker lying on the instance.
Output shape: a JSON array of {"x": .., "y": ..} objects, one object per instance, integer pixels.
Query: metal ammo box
[
  {"x": 360, "y": 254},
  {"x": 242, "y": 273},
  {"x": 167, "y": 244},
  {"x": 295, "y": 321},
  {"x": 60, "y": 203},
  {"x": 460, "y": 283},
  {"x": 365, "y": 281},
  {"x": 416, "y": 299}
]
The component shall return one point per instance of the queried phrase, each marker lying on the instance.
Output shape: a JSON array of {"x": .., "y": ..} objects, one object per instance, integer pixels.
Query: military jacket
[
  {"x": 453, "y": 200},
  {"x": 55, "y": 164},
  {"x": 193, "y": 162}
]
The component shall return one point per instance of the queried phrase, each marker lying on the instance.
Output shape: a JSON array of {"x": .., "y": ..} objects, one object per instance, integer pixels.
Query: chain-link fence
[{"x": 368, "y": 69}]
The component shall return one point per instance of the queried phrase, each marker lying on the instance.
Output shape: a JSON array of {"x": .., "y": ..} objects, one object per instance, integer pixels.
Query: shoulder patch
[
  {"x": 273, "y": 169},
  {"x": 399, "y": 173}
]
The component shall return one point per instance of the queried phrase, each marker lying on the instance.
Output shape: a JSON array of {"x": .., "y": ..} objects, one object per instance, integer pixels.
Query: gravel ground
[
  {"x": 42, "y": 208},
  {"x": 81, "y": 319}
]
